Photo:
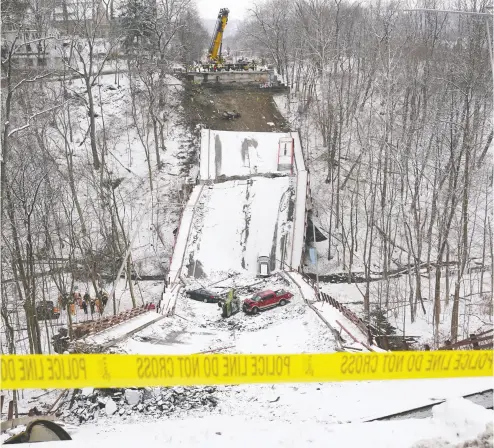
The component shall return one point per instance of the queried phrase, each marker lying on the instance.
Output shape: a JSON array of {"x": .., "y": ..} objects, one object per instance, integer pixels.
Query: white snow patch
[
  {"x": 237, "y": 223},
  {"x": 122, "y": 329},
  {"x": 250, "y": 430},
  {"x": 463, "y": 416},
  {"x": 132, "y": 396},
  {"x": 85, "y": 391}
]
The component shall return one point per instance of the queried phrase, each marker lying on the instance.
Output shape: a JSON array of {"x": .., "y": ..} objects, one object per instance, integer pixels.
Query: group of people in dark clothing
[
  {"x": 94, "y": 303},
  {"x": 86, "y": 303}
]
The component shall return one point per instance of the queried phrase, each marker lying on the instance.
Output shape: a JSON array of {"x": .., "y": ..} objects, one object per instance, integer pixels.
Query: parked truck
[
  {"x": 46, "y": 310},
  {"x": 266, "y": 299}
]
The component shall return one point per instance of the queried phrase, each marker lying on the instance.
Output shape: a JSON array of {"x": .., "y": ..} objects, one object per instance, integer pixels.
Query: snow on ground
[
  {"x": 265, "y": 201},
  {"x": 197, "y": 327},
  {"x": 229, "y": 153},
  {"x": 122, "y": 329},
  {"x": 473, "y": 309},
  {"x": 217, "y": 243},
  {"x": 127, "y": 160},
  {"x": 236, "y": 223},
  {"x": 268, "y": 415},
  {"x": 144, "y": 291},
  {"x": 127, "y": 163},
  {"x": 453, "y": 422}
]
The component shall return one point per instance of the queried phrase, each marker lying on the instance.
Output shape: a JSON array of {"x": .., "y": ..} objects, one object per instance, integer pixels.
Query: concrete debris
[
  {"x": 132, "y": 396},
  {"x": 87, "y": 391},
  {"x": 158, "y": 402},
  {"x": 110, "y": 408}
]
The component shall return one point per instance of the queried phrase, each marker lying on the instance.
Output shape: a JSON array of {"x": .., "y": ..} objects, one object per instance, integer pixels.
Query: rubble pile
[
  {"x": 261, "y": 321},
  {"x": 91, "y": 404}
]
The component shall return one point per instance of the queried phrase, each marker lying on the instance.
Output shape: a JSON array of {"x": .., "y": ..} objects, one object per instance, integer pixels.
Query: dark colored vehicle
[
  {"x": 231, "y": 115},
  {"x": 265, "y": 300},
  {"x": 46, "y": 311},
  {"x": 203, "y": 295}
]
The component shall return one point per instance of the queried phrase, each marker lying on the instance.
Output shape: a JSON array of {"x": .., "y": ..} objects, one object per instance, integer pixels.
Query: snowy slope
[
  {"x": 239, "y": 222},
  {"x": 218, "y": 240},
  {"x": 472, "y": 308},
  {"x": 265, "y": 198}
]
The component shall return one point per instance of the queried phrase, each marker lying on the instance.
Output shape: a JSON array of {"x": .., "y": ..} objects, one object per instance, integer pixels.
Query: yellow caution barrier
[{"x": 76, "y": 371}]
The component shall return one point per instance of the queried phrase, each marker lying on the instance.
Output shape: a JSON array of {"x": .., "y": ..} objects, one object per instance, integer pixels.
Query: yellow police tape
[{"x": 75, "y": 371}]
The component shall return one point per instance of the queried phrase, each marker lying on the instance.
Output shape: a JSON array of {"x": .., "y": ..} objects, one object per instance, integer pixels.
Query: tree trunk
[
  {"x": 156, "y": 142},
  {"x": 129, "y": 278},
  {"x": 92, "y": 125}
]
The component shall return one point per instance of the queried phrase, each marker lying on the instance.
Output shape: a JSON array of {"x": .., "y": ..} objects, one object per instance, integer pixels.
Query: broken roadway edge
[
  {"x": 115, "y": 341},
  {"x": 290, "y": 278}
]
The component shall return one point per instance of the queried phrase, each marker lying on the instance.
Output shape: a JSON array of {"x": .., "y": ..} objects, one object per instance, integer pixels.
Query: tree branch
[{"x": 14, "y": 131}]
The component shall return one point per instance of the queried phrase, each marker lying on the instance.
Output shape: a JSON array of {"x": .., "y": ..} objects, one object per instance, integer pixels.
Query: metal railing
[{"x": 91, "y": 328}]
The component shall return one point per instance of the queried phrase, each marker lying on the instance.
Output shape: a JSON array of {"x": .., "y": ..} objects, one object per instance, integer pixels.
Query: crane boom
[{"x": 214, "y": 54}]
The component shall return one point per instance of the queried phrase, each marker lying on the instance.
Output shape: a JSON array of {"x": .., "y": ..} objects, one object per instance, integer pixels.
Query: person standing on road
[
  {"x": 84, "y": 307},
  {"x": 99, "y": 306}
]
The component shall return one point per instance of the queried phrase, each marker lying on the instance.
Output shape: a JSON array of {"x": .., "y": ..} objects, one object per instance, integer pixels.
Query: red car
[{"x": 266, "y": 299}]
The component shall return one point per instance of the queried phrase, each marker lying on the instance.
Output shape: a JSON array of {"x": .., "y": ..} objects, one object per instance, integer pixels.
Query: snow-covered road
[
  {"x": 252, "y": 206},
  {"x": 238, "y": 222},
  {"x": 198, "y": 327}
]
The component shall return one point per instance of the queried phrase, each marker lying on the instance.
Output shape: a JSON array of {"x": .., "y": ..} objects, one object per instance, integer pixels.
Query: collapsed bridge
[{"x": 250, "y": 200}]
